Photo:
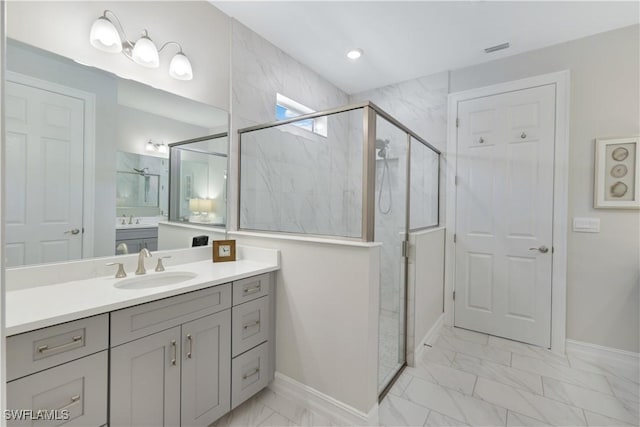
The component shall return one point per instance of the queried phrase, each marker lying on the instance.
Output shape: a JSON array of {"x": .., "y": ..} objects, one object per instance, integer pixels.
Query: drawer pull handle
[
  {"x": 175, "y": 352},
  {"x": 252, "y": 324},
  {"x": 249, "y": 291},
  {"x": 252, "y": 373},
  {"x": 190, "y": 346},
  {"x": 75, "y": 399},
  {"x": 75, "y": 340}
]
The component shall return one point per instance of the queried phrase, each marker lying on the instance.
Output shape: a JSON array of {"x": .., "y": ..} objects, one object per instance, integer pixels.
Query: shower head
[
  {"x": 381, "y": 143},
  {"x": 381, "y": 146},
  {"x": 143, "y": 171}
]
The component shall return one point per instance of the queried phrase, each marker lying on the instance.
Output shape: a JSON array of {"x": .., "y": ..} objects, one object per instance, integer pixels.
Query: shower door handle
[{"x": 74, "y": 231}]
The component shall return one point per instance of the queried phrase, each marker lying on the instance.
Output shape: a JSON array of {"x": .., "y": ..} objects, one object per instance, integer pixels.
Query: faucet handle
[
  {"x": 120, "y": 273},
  {"x": 160, "y": 266}
]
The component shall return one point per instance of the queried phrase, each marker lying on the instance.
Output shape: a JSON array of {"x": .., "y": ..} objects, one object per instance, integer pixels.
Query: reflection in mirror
[
  {"x": 199, "y": 181},
  {"x": 87, "y": 160},
  {"x": 142, "y": 188}
]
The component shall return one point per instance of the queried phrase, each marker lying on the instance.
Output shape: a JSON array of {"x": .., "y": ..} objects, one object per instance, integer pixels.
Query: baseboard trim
[
  {"x": 601, "y": 352},
  {"x": 323, "y": 404},
  {"x": 428, "y": 338}
]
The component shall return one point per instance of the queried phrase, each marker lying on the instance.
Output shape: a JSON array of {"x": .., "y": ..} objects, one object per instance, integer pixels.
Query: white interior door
[
  {"x": 505, "y": 214},
  {"x": 44, "y": 175}
]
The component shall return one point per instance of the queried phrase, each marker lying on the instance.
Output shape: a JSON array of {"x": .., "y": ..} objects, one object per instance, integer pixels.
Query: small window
[{"x": 287, "y": 108}]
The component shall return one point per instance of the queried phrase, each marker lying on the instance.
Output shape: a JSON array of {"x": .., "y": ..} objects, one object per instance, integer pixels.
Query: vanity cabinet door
[
  {"x": 145, "y": 381},
  {"x": 206, "y": 378}
]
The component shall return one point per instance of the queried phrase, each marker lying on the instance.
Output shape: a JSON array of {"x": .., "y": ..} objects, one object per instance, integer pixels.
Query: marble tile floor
[{"x": 472, "y": 379}]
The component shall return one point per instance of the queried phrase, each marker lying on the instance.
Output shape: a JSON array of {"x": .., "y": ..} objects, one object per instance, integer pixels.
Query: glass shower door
[{"x": 391, "y": 230}]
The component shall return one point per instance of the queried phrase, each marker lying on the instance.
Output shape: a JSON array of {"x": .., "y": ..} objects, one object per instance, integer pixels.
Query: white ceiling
[{"x": 405, "y": 40}]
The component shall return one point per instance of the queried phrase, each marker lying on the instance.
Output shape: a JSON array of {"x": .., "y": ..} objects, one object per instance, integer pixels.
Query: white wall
[
  {"x": 327, "y": 322},
  {"x": 425, "y": 297},
  {"x": 201, "y": 29},
  {"x": 603, "y": 277}
]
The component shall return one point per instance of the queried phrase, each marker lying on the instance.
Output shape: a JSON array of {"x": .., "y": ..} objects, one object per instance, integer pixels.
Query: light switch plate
[{"x": 586, "y": 225}]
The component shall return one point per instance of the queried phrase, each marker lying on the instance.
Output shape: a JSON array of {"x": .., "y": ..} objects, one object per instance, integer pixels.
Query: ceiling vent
[{"x": 496, "y": 47}]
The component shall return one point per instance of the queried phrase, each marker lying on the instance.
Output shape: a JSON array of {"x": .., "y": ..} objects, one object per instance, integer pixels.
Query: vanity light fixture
[
  {"x": 354, "y": 53},
  {"x": 158, "y": 147},
  {"x": 108, "y": 37}
]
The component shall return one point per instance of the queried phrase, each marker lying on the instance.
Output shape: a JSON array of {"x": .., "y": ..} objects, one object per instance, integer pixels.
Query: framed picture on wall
[{"x": 617, "y": 181}]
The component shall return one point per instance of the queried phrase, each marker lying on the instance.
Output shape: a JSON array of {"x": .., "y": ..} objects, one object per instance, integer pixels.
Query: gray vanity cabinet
[
  {"x": 145, "y": 381},
  {"x": 172, "y": 377}
]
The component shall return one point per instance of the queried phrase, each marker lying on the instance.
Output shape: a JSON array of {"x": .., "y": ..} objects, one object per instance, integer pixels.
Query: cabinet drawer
[
  {"x": 249, "y": 325},
  {"x": 137, "y": 233},
  {"x": 136, "y": 322},
  {"x": 44, "y": 348},
  {"x": 249, "y": 374},
  {"x": 250, "y": 288},
  {"x": 79, "y": 387}
]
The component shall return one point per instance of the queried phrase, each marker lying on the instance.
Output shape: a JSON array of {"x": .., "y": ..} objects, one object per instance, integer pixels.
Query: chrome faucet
[{"x": 144, "y": 253}]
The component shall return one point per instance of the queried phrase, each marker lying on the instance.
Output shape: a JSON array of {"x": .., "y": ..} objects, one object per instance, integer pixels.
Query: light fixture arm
[
  {"x": 168, "y": 43},
  {"x": 125, "y": 40}
]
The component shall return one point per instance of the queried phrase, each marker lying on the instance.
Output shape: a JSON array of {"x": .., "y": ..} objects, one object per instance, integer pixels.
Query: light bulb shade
[
  {"x": 207, "y": 205},
  {"x": 180, "y": 67},
  {"x": 104, "y": 36},
  {"x": 194, "y": 205},
  {"x": 145, "y": 53}
]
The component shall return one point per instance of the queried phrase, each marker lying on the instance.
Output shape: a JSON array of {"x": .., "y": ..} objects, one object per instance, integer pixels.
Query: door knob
[
  {"x": 541, "y": 249},
  {"x": 74, "y": 231}
]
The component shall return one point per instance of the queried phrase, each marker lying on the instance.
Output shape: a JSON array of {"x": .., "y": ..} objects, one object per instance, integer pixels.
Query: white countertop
[{"x": 42, "y": 306}]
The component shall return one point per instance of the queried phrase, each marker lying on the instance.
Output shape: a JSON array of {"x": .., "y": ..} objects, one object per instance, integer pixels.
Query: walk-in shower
[{"x": 368, "y": 178}]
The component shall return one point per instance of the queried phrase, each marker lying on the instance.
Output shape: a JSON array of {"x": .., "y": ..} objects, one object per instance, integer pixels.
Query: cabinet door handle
[
  {"x": 252, "y": 373},
  {"x": 190, "y": 340},
  {"x": 251, "y": 324},
  {"x": 175, "y": 352},
  {"x": 74, "y": 341},
  {"x": 249, "y": 291},
  {"x": 74, "y": 399}
]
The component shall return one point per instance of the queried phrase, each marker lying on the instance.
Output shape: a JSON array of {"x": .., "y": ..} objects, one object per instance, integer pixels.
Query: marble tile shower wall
[
  {"x": 292, "y": 180},
  {"x": 421, "y": 105}
]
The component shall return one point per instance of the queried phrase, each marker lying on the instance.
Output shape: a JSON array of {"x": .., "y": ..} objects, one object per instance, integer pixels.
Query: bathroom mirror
[{"x": 86, "y": 149}]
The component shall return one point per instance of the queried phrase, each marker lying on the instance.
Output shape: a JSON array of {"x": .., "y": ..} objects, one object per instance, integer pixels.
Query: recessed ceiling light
[{"x": 354, "y": 53}]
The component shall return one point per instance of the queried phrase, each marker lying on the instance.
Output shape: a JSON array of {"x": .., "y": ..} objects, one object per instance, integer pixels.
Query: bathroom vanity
[{"x": 131, "y": 352}]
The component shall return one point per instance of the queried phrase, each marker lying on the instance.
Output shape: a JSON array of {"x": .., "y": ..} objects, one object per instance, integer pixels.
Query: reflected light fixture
[
  {"x": 108, "y": 37},
  {"x": 158, "y": 147},
  {"x": 354, "y": 53}
]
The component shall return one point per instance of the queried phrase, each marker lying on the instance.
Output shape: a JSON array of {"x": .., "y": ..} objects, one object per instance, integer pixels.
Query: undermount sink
[{"x": 155, "y": 280}]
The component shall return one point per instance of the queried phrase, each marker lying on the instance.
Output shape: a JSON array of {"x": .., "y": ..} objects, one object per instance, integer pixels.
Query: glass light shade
[
  {"x": 207, "y": 205},
  {"x": 145, "y": 53},
  {"x": 180, "y": 67},
  {"x": 104, "y": 36},
  {"x": 194, "y": 205}
]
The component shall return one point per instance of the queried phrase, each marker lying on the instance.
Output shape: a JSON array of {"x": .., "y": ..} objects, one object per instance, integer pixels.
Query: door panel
[
  {"x": 44, "y": 180},
  {"x": 145, "y": 381},
  {"x": 206, "y": 379},
  {"x": 504, "y": 213}
]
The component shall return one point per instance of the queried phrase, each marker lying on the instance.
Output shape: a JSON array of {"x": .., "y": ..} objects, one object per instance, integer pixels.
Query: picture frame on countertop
[
  {"x": 224, "y": 250},
  {"x": 617, "y": 177}
]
